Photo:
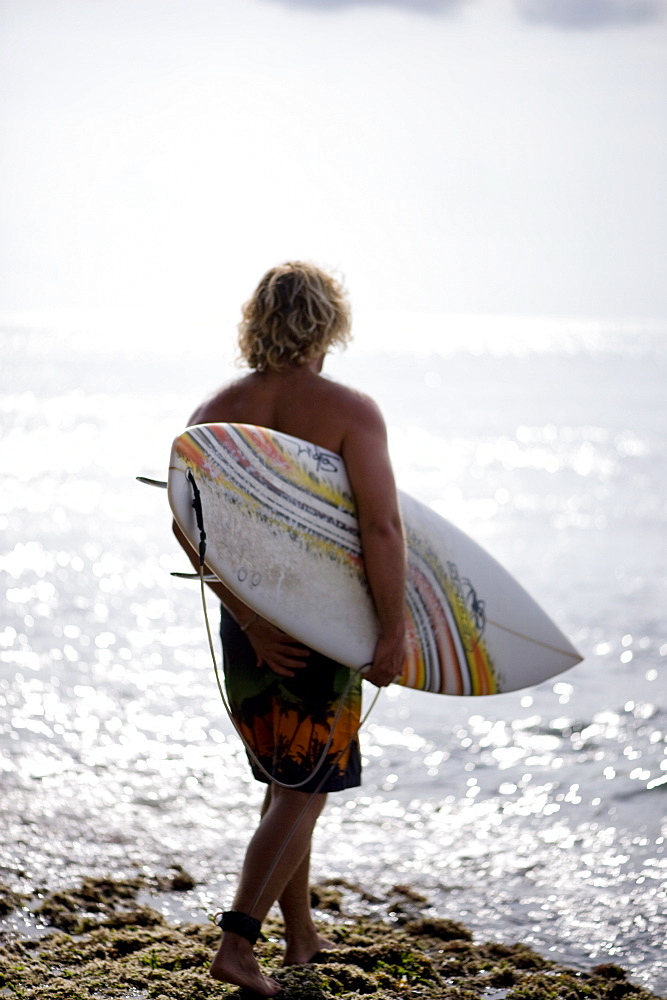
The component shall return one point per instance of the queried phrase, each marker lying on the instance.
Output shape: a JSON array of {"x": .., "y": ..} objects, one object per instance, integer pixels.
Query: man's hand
[
  {"x": 388, "y": 660},
  {"x": 276, "y": 650}
]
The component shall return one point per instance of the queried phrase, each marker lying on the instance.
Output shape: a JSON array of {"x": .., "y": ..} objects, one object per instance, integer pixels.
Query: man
[{"x": 296, "y": 314}]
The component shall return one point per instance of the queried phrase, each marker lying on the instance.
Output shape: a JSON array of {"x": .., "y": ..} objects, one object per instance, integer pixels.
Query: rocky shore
[{"x": 102, "y": 944}]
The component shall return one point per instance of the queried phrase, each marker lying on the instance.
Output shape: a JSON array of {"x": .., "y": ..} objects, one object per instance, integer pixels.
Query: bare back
[{"x": 296, "y": 401}]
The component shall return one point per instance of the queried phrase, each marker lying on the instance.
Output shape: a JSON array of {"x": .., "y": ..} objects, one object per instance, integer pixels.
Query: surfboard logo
[
  {"x": 323, "y": 461},
  {"x": 474, "y": 608}
]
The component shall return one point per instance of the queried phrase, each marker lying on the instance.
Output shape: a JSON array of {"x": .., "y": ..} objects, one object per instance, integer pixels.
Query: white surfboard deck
[{"x": 282, "y": 534}]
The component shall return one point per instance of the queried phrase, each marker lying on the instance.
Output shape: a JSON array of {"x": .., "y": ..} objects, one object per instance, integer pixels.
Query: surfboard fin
[
  {"x": 160, "y": 483},
  {"x": 208, "y": 577}
]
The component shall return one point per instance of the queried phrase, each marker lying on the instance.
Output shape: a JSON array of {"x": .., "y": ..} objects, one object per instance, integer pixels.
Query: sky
[{"x": 447, "y": 156}]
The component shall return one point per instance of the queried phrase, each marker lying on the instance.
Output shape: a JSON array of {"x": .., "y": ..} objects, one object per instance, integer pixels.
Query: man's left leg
[{"x": 301, "y": 935}]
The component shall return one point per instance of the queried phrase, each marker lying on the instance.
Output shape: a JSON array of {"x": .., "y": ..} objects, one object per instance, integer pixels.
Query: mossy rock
[
  {"x": 504, "y": 974},
  {"x": 565, "y": 984},
  {"x": 178, "y": 881},
  {"x": 349, "y": 979},
  {"x": 323, "y": 897},
  {"x": 409, "y": 893},
  {"x": 520, "y": 955},
  {"x": 126, "y": 949},
  {"x": 10, "y": 900},
  {"x": 439, "y": 929},
  {"x": 460, "y": 958},
  {"x": 305, "y": 983}
]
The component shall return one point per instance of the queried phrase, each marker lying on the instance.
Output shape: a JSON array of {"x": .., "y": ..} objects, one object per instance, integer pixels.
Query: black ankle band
[{"x": 239, "y": 923}]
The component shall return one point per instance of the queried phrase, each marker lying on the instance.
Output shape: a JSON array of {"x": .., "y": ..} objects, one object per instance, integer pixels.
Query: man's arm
[
  {"x": 371, "y": 477},
  {"x": 274, "y": 648}
]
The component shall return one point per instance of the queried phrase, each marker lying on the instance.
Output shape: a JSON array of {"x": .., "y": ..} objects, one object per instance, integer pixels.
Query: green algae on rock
[
  {"x": 10, "y": 900},
  {"x": 116, "y": 950}
]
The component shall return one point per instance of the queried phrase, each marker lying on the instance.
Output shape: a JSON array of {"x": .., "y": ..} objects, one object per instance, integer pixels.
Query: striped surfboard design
[
  {"x": 283, "y": 535},
  {"x": 281, "y": 486}
]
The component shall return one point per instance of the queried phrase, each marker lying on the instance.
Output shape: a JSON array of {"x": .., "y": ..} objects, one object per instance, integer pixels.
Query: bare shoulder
[
  {"x": 357, "y": 409},
  {"x": 365, "y": 451},
  {"x": 221, "y": 405}
]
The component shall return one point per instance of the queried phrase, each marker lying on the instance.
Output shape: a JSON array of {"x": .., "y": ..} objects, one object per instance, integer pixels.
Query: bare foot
[
  {"x": 303, "y": 952},
  {"x": 236, "y": 964}
]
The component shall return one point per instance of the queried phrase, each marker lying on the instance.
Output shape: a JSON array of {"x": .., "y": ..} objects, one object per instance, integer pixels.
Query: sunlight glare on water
[{"x": 534, "y": 816}]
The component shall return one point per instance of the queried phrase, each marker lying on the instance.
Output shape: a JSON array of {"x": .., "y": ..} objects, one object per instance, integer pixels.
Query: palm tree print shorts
[{"x": 287, "y": 721}]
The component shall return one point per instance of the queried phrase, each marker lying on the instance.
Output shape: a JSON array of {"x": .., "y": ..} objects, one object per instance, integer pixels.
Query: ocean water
[{"x": 536, "y": 816}]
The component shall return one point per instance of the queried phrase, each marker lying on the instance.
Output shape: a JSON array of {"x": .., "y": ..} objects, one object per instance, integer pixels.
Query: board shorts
[{"x": 287, "y": 721}]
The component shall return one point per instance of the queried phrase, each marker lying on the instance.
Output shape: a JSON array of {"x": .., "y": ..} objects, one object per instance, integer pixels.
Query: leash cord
[
  {"x": 272, "y": 779},
  {"x": 327, "y": 746},
  {"x": 354, "y": 673}
]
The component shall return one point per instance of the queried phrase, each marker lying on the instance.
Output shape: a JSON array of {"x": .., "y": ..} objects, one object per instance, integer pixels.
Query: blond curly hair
[{"x": 296, "y": 314}]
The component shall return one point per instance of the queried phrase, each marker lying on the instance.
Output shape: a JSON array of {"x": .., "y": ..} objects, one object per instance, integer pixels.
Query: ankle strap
[{"x": 239, "y": 923}]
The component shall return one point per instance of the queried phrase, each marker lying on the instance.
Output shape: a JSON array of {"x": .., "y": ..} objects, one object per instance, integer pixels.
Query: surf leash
[
  {"x": 354, "y": 673},
  {"x": 199, "y": 515}
]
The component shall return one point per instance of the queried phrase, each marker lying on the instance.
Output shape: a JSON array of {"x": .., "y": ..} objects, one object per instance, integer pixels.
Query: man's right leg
[
  {"x": 277, "y": 850},
  {"x": 302, "y": 937}
]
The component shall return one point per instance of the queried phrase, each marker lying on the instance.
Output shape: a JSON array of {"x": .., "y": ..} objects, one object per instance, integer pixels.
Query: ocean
[{"x": 535, "y": 816}]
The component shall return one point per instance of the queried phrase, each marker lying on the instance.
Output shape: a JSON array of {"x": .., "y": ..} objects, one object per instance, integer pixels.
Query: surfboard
[{"x": 282, "y": 534}]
